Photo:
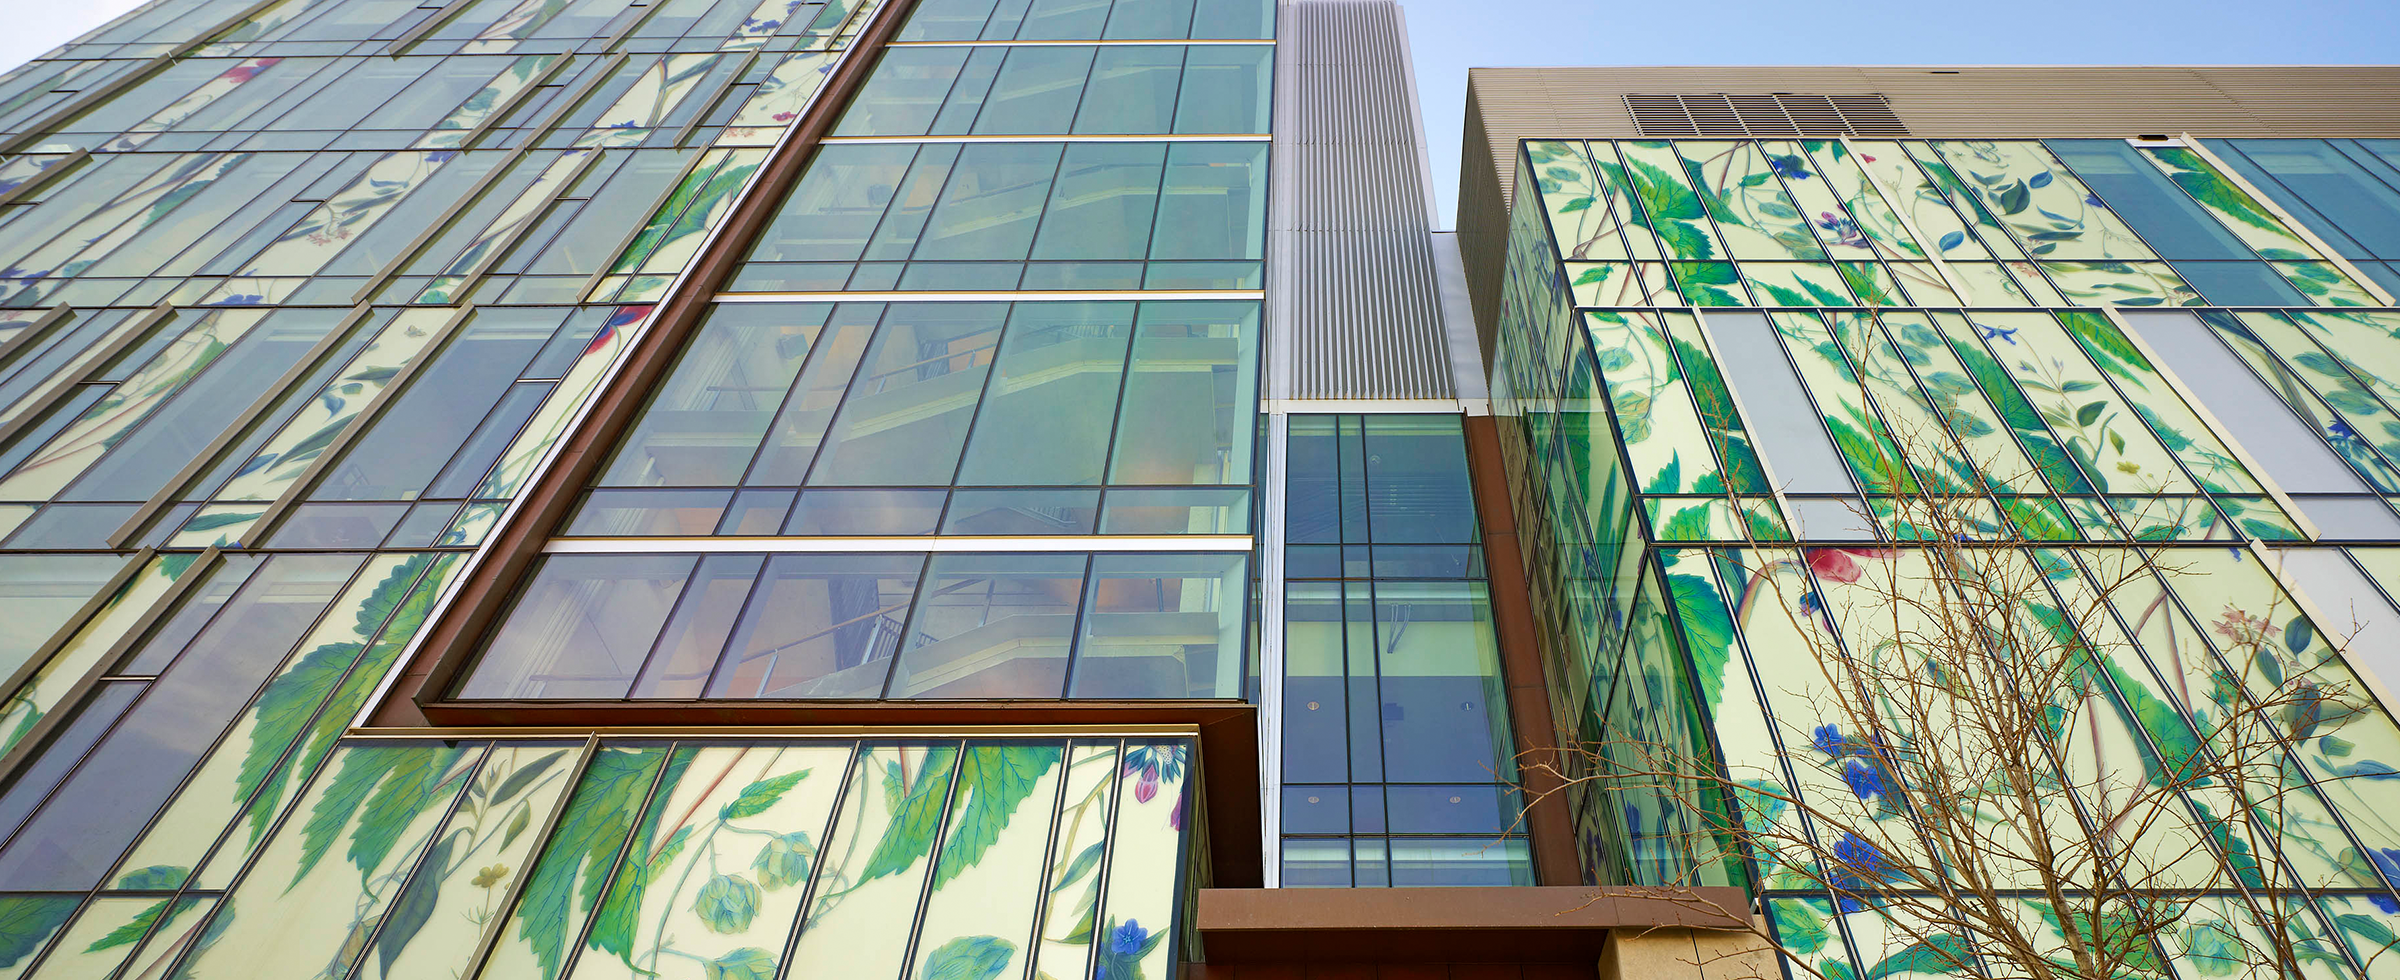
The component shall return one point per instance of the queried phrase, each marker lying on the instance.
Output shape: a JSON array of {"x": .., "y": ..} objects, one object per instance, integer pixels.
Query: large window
[
  {"x": 859, "y": 626},
  {"x": 1006, "y": 216},
  {"x": 856, "y": 419}
]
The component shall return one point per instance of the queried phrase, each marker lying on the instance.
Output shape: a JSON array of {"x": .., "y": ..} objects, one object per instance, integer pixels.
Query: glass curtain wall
[
  {"x": 1742, "y": 384},
  {"x": 1398, "y": 763}
]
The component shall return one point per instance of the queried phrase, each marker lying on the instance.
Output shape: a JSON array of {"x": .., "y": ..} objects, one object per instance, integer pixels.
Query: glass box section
[
  {"x": 1398, "y": 763},
  {"x": 859, "y": 418},
  {"x": 952, "y": 625}
]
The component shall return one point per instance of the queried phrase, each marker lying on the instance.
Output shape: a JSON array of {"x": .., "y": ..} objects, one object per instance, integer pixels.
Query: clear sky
[{"x": 1450, "y": 36}]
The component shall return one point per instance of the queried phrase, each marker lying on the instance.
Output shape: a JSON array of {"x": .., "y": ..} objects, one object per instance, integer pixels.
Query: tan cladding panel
[{"x": 1505, "y": 105}]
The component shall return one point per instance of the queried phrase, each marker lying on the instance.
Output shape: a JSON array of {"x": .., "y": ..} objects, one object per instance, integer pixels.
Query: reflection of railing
[
  {"x": 887, "y": 628},
  {"x": 880, "y": 379}
]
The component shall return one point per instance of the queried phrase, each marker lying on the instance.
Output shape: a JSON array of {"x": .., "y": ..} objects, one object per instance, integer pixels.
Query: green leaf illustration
[
  {"x": 27, "y": 921},
  {"x": 518, "y": 781},
  {"x": 584, "y": 845},
  {"x": 759, "y": 797},
  {"x": 915, "y": 819},
  {"x": 1937, "y": 955},
  {"x": 993, "y": 781},
  {"x": 746, "y": 963},
  {"x": 619, "y": 917},
  {"x": 1708, "y": 627},
  {"x": 969, "y": 958},
  {"x": 138, "y": 926}
]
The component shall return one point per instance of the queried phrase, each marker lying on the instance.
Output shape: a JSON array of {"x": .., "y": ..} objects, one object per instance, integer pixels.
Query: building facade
[{"x": 1020, "y": 488}]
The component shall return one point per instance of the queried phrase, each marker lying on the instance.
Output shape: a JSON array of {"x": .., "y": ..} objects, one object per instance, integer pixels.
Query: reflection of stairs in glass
[{"x": 1025, "y": 656}]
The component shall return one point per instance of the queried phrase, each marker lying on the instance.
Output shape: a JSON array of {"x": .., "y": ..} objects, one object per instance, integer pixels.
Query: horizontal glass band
[{"x": 759, "y": 545}]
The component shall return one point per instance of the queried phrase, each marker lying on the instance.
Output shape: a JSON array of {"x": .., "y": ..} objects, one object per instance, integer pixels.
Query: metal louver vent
[{"x": 1764, "y": 116}]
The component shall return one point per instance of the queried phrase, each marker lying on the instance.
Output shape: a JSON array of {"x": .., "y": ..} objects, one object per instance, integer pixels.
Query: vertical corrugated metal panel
[{"x": 1362, "y": 307}]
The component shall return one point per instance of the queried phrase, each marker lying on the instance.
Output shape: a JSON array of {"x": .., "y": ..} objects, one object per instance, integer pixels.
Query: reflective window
[
  {"x": 812, "y": 626},
  {"x": 947, "y": 91},
  {"x": 1005, "y": 216}
]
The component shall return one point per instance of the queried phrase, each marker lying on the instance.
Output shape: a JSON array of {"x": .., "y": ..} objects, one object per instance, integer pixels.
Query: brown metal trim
[
  {"x": 175, "y": 487},
  {"x": 34, "y": 333},
  {"x": 1501, "y": 924},
  {"x": 1228, "y": 734},
  {"x": 44, "y": 401},
  {"x": 485, "y": 590},
  {"x": 38, "y": 737},
  {"x": 43, "y": 177},
  {"x": 1547, "y": 822}
]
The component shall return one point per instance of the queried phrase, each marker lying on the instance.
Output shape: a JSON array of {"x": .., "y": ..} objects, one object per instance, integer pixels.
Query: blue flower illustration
[
  {"x": 1843, "y": 229},
  {"x": 1828, "y": 739},
  {"x": 1127, "y": 939},
  {"x": 1998, "y": 333},
  {"x": 1788, "y": 167},
  {"x": 2387, "y": 864},
  {"x": 1864, "y": 780},
  {"x": 1858, "y": 867}
]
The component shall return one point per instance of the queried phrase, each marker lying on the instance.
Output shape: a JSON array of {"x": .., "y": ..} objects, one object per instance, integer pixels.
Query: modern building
[{"x": 962, "y": 489}]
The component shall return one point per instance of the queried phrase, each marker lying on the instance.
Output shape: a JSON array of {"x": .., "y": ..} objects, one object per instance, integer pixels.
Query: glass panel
[
  {"x": 880, "y": 849},
  {"x": 820, "y": 626},
  {"x": 1188, "y": 355},
  {"x": 1046, "y": 416},
  {"x": 992, "y": 626},
  {"x": 581, "y": 629},
  {"x": 1438, "y": 659},
  {"x": 906, "y": 414},
  {"x": 445, "y": 403},
  {"x": 705, "y": 422},
  {"x": 566, "y": 881},
  {"x": 1164, "y": 626}
]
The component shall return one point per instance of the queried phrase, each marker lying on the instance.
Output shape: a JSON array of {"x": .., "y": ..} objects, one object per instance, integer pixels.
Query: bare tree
[{"x": 1992, "y": 782}]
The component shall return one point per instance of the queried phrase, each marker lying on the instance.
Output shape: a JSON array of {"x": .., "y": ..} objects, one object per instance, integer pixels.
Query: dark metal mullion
[
  {"x": 497, "y": 926},
  {"x": 1692, "y": 180},
  {"x": 34, "y": 335},
  {"x": 1841, "y": 648},
  {"x": 2347, "y": 372},
  {"x": 1089, "y": 593},
  {"x": 933, "y": 851},
  {"x": 708, "y": 107},
  {"x": 369, "y": 415},
  {"x": 741, "y": 613},
  {"x": 134, "y": 565},
  {"x": 2143, "y": 737},
  {"x": 572, "y": 949},
  {"x": 241, "y": 425},
  {"x": 1050, "y": 854},
  {"x": 622, "y": 253},
  {"x": 488, "y": 181},
  {"x": 2309, "y": 392},
  {"x": 1877, "y": 332},
  {"x": 2155, "y": 254},
  {"x": 42, "y": 178},
  {"x": 2308, "y": 781},
  {"x": 884, "y": 217},
  {"x": 39, "y": 404},
  {"x": 507, "y": 241},
  {"x": 1749, "y": 665},
  {"x": 1602, "y": 195},
  {"x": 417, "y": 871},
  {"x": 1974, "y": 336},
  {"x": 2199, "y": 488},
  {"x": 2182, "y": 714},
  {"x": 400, "y": 45},
  {"x": 684, "y": 598},
  {"x": 858, "y": 372},
  {"x": 791, "y": 392},
  {"x": 853, "y": 767},
  {"x": 30, "y": 746},
  {"x": 983, "y": 394},
  {"x": 908, "y": 621},
  {"x": 1110, "y": 826},
  {"x": 1058, "y": 169},
  {"x": 292, "y": 751},
  {"x": 218, "y": 739}
]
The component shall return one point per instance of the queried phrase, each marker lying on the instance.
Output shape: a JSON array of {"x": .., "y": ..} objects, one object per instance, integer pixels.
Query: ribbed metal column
[{"x": 1355, "y": 277}]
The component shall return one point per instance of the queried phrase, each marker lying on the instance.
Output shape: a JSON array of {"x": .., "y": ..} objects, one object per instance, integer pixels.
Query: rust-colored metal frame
[
  {"x": 1547, "y": 822},
  {"x": 484, "y": 594}
]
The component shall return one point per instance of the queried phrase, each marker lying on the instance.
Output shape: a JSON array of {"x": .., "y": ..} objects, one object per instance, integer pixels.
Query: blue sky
[{"x": 1450, "y": 36}]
